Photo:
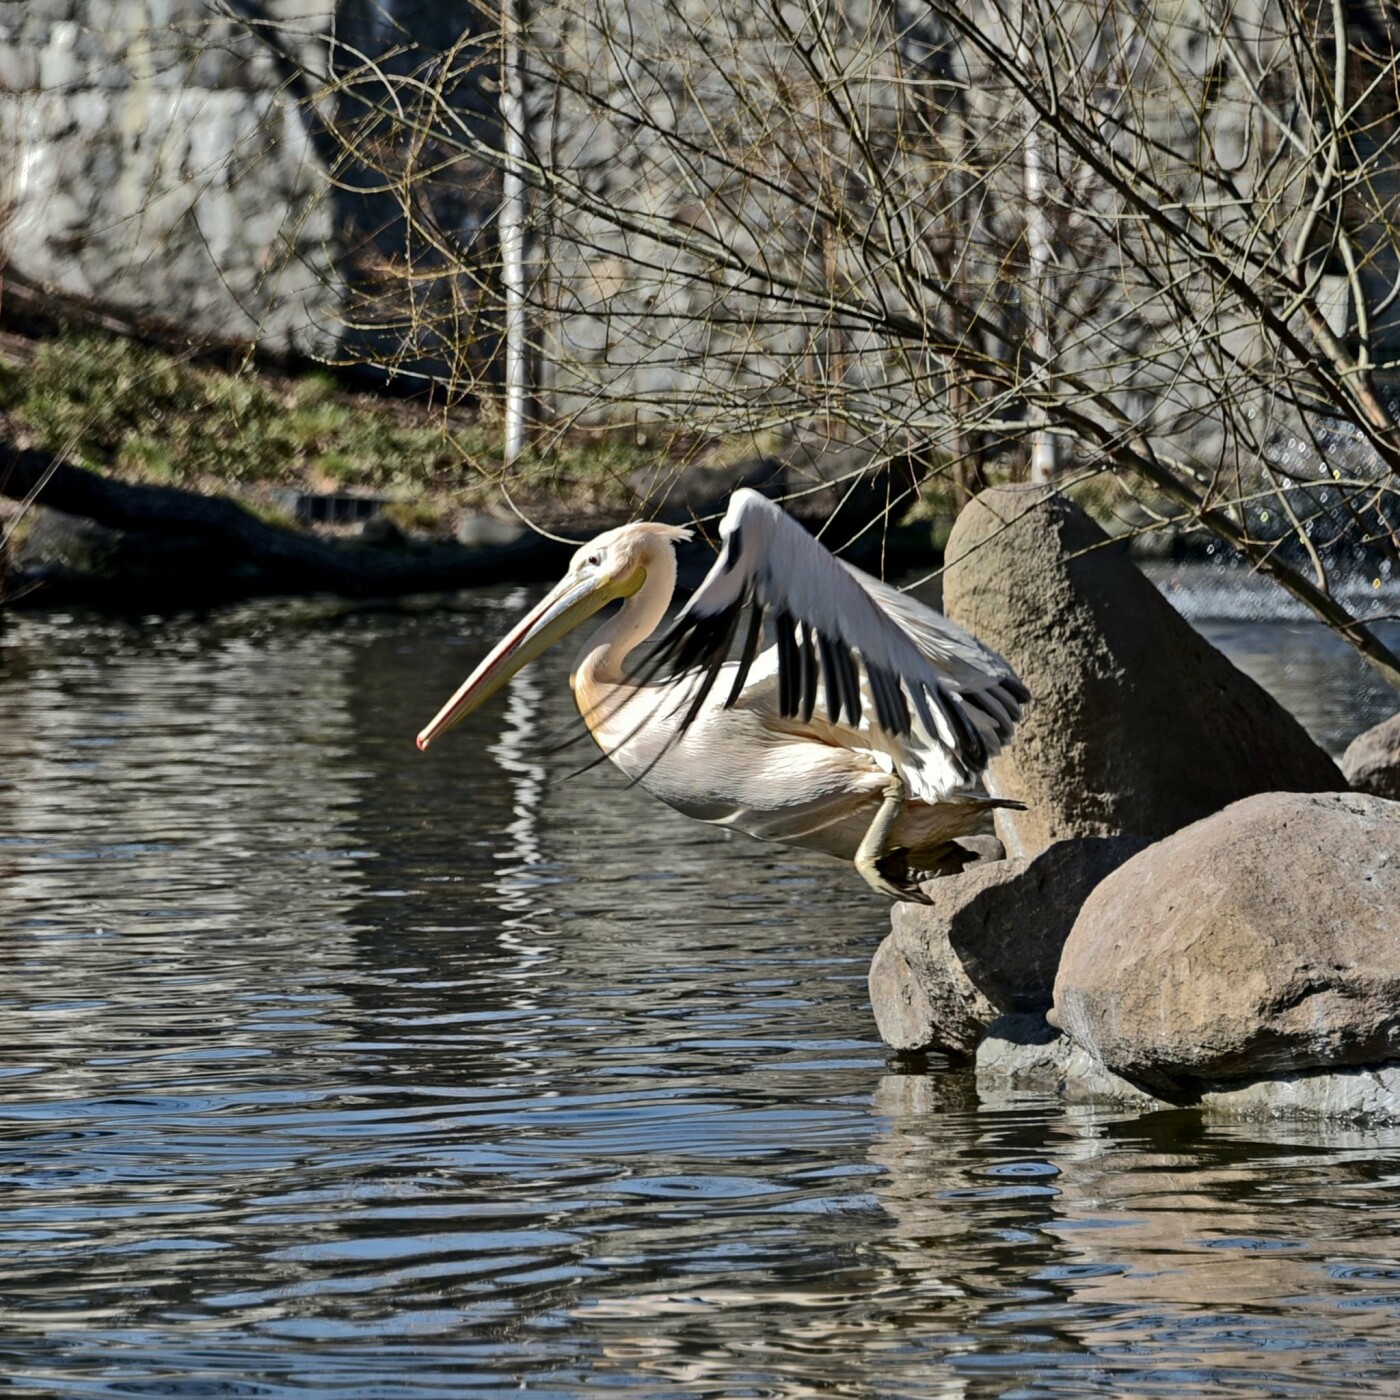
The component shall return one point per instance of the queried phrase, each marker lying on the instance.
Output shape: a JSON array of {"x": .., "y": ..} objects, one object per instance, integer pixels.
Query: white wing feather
[{"x": 928, "y": 681}]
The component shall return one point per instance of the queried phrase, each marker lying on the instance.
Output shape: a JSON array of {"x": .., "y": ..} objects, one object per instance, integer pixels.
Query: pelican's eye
[{"x": 593, "y": 560}]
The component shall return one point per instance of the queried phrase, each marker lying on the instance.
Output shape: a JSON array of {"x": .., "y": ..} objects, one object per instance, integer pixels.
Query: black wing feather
[
  {"x": 842, "y": 679},
  {"x": 969, "y": 714},
  {"x": 971, "y": 745},
  {"x": 891, "y": 710},
  {"x": 809, "y": 673},
  {"x": 835, "y": 691},
  {"x": 977, "y": 701},
  {"x": 716, "y": 650},
  {"x": 753, "y": 642},
  {"x": 789, "y": 665}
]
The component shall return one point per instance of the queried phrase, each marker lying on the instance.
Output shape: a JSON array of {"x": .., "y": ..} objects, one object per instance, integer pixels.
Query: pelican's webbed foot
[
  {"x": 896, "y": 879},
  {"x": 884, "y": 868}
]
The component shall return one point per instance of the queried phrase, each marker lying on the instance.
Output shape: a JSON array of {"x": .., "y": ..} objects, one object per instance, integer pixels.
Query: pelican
[{"x": 854, "y": 720}]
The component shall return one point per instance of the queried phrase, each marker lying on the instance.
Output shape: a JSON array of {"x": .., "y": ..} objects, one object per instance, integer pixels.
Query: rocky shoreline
[{"x": 1195, "y": 908}]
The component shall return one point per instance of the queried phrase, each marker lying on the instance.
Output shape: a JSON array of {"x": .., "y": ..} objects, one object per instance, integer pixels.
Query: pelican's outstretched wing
[{"x": 923, "y": 673}]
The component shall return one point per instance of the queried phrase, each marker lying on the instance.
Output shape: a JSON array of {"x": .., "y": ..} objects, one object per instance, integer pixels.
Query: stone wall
[
  {"x": 701, "y": 123},
  {"x": 155, "y": 157},
  {"x": 152, "y": 161},
  {"x": 647, "y": 302}
]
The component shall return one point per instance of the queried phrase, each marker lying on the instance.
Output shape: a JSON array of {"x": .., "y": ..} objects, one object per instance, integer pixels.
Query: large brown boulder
[
  {"x": 1260, "y": 941},
  {"x": 1138, "y": 723},
  {"x": 1372, "y": 760},
  {"x": 989, "y": 944}
]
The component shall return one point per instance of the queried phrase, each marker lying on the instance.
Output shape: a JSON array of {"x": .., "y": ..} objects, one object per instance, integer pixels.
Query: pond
[{"x": 332, "y": 1069}]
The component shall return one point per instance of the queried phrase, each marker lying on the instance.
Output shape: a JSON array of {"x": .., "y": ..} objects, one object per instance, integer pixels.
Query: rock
[
  {"x": 1260, "y": 941},
  {"x": 66, "y": 558},
  {"x": 1024, "y": 1030},
  {"x": 1024, "y": 1052},
  {"x": 132, "y": 186},
  {"x": 1008, "y": 920},
  {"x": 379, "y": 530},
  {"x": 482, "y": 531},
  {"x": 922, "y": 998},
  {"x": 1138, "y": 724},
  {"x": 981, "y": 848},
  {"x": 1372, "y": 760},
  {"x": 1017, "y": 1054},
  {"x": 1369, "y": 1094},
  {"x": 1061, "y": 1067},
  {"x": 990, "y": 943},
  {"x": 70, "y": 544}
]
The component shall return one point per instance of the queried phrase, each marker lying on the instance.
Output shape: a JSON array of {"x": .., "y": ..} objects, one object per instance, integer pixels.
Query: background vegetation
[{"x": 1152, "y": 243}]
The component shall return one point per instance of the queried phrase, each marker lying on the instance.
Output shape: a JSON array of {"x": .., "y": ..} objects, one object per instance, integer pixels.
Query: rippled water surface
[{"x": 331, "y": 1069}]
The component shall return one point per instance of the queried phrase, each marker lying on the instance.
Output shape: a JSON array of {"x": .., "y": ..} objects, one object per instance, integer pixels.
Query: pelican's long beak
[{"x": 569, "y": 603}]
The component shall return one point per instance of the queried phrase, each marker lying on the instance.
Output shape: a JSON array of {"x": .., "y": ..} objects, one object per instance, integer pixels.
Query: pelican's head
[{"x": 613, "y": 566}]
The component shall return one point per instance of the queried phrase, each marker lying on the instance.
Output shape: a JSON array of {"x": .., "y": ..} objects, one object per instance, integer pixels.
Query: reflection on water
[{"x": 331, "y": 1069}]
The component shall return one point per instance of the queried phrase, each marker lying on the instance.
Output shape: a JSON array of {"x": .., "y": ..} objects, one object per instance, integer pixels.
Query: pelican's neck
[{"x": 602, "y": 659}]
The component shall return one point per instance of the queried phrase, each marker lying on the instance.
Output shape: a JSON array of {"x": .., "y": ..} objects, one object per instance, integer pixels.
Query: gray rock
[
  {"x": 202, "y": 208},
  {"x": 1007, "y": 920},
  {"x": 1372, "y": 760},
  {"x": 59, "y": 62},
  {"x": 1138, "y": 723},
  {"x": 56, "y": 541},
  {"x": 922, "y": 998},
  {"x": 982, "y": 848},
  {"x": 1372, "y": 1094},
  {"x": 989, "y": 943},
  {"x": 1260, "y": 941},
  {"x": 380, "y": 531},
  {"x": 488, "y": 531},
  {"x": 1024, "y": 1052},
  {"x": 1017, "y": 1054},
  {"x": 19, "y": 68}
]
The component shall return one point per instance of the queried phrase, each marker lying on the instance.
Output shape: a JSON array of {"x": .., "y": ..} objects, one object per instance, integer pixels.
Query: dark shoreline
[{"x": 124, "y": 548}]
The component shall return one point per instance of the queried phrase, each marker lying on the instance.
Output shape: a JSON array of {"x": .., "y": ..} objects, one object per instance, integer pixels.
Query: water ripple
[{"x": 329, "y": 1069}]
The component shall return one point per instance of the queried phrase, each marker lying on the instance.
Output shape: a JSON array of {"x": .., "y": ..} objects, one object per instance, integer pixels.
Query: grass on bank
[
  {"x": 142, "y": 414},
  {"x": 115, "y": 405}
]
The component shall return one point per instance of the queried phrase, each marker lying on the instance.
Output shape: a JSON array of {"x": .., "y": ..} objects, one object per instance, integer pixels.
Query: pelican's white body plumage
[{"x": 860, "y": 728}]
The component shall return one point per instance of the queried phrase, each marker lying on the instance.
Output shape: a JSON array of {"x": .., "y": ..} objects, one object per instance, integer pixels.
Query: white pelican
[{"x": 859, "y": 730}]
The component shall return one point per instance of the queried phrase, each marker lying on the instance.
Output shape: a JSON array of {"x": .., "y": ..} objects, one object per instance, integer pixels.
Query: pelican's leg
[{"x": 883, "y": 867}]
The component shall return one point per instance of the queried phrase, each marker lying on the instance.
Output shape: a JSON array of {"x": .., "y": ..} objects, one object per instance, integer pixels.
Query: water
[{"x": 332, "y": 1069}]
